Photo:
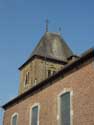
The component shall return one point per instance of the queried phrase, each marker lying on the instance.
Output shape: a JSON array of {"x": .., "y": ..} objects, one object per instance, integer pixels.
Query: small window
[
  {"x": 27, "y": 78},
  {"x": 14, "y": 120},
  {"x": 34, "y": 115},
  {"x": 49, "y": 73}
]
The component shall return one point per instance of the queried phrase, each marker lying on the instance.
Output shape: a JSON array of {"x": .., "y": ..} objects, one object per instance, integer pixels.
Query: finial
[
  {"x": 47, "y": 21},
  {"x": 60, "y": 29}
]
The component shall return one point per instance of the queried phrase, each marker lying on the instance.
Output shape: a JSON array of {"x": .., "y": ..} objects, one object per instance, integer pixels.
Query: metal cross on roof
[{"x": 47, "y": 22}]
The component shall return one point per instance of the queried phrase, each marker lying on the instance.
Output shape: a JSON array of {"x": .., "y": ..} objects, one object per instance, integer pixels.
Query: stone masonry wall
[{"x": 36, "y": 70}]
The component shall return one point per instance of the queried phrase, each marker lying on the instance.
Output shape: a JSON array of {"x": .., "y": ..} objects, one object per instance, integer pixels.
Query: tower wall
[{"x": 38, "y": 70}]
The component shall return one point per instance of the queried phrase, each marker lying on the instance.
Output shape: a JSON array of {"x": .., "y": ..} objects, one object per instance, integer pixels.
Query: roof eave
[{"x": 44, "y": 58}]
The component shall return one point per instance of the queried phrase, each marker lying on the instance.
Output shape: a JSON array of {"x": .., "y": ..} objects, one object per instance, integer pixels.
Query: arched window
[
  {"x": 14, "y": 119},
  {"x": 51, "y": 72},
  {"x": 34, "y": 114},
  {"x": 65, "y": 108}
]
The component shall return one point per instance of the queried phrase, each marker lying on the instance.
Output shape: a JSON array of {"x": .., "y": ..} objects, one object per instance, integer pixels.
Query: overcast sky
[{"x": 22, "y": 24}]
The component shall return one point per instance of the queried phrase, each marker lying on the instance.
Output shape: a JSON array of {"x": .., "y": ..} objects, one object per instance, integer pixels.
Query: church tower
[{"x": 49, "y": 56}]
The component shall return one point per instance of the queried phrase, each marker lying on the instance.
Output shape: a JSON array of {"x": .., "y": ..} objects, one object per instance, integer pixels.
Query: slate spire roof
[{"x": 52, "y": 45}]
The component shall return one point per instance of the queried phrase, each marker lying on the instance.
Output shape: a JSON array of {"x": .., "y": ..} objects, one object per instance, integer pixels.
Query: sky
[{"x": 22, "y": 24}]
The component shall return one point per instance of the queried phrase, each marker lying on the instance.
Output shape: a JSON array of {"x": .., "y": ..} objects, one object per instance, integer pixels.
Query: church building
[{"x": 56, "y": 86}]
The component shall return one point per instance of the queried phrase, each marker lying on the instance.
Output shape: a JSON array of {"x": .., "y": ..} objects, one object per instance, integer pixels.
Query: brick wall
[{"x": 81, "y": 82}]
